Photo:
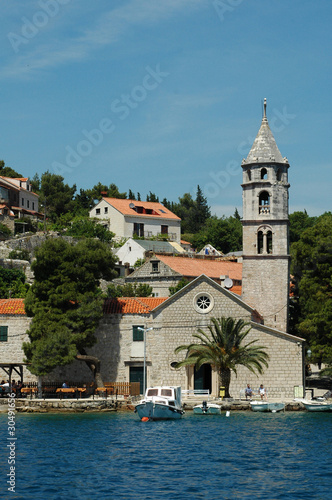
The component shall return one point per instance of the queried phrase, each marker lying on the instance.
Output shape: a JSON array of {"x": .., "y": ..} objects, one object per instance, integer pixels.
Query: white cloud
[{"x": 105, "y": 30}]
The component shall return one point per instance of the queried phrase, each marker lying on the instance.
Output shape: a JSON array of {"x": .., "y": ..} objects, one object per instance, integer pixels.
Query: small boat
[
  {"x": 160, "y": 403},
  {"x": 314, "y": 405},
  {"x": 207, "y": 409},
  {"x": 266, "y": 406}
]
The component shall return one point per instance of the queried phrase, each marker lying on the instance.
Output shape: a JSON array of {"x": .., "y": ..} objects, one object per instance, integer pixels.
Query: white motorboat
[
  {"x": 207, "y": 408},
  {"x": 316, "y": 405},
  {"x": 266, "y": 406},
  {"x": 160, "y": 403}
]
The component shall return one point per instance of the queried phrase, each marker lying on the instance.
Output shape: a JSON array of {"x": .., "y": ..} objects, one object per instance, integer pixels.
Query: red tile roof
[
  {"x": 192, "y": 267},
  {"x": 12, "y": 306},
  {"x": 132, "y": 305},
  {"x": 237, "y": 289},
  {"x": 123, "y": 206}
]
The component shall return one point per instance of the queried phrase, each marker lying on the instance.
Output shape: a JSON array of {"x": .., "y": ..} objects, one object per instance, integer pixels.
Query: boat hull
[
  {"x": 155, "y": 411},
  {"x": 208, "y": 410},
  {"x": 318, "y": 406},
  {"x": 266, "y": 406}
]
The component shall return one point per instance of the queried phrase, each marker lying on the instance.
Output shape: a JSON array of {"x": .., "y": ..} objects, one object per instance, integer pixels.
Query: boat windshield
[
  {"x": 166, "y": 392},
  {"x": 152, "y": 392}
]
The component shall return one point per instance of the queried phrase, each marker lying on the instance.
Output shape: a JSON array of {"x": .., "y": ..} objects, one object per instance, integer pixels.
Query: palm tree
[{"x": 223, "y": 348}]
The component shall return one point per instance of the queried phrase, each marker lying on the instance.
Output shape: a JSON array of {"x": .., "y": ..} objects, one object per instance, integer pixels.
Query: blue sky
[{"x": 166, "y": 95}]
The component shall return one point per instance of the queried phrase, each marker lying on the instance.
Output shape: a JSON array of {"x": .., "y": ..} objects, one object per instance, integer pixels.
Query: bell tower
[{"x": 265, "y": 275}]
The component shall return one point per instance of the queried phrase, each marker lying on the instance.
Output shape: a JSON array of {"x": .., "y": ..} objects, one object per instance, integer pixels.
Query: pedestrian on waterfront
[
  {"x": 65, "y": 385},
  {"x": 262, "y": 392},
  {"x": 18, "y": 388},
  {"x": 248, "y": 392}
]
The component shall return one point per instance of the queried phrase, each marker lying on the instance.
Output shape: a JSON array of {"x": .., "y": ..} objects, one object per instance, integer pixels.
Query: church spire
[{"x": 264, "y": 148}]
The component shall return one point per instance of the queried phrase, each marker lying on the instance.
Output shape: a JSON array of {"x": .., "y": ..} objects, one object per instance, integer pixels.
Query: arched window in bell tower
[
  {"x": 264, "y": 240},
  {"x": 264, "y": 174},
  {"x": 249, "y": 175},
  {"x": 279, "y": 174},
  {"x": 260, "y": 242},
  {"x": 269, "y": 242},
  {"x": 264, "y": 203}
]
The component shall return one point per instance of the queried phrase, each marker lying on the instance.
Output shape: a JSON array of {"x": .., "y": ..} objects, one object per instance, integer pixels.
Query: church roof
[{"x": 264, "y": 148}]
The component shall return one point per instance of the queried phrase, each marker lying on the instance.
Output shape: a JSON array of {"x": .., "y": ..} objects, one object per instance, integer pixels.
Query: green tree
[
  {"x": 85, "y": 227},
  {"x": 224, "y": 234},
  {"x": 299, "y": 222},
  {"x": 12, "y": 283},
  {"x": 8, "y": 171},
  {"x": 312, "y": 270},
  {"x": 152, "y": 197},
  {"x": 202, "y": 210},
  {"x": 223, "y": 348},
  {"x": 129, "y": 290},
  {"x": 66, "y": 303},
  {"x": 182, "y": 283},
  {"x": 56, "y": 197},
  {"x": 5, "y": 232}
]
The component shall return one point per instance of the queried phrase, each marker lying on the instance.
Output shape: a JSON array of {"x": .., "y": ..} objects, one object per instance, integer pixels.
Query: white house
[
  {"x": 132, "y": 249},
  {"x": 147, "y": 219}
]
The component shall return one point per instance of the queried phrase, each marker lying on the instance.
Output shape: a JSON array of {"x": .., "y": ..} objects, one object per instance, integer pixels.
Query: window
[
  {"x": 264, "y": 240},
  {"x": 260, "y": 242},
  {"x": 249, "y": 175},
  {"x": 155, "y": 266},
  {"x": 138, "y": 229},
  {"x": 264, "y": 203},
  {"x": 28, "y": 203},
  {"x": 164, "y": 229},
  {"x": 97, "y": 211},
  {"x": 279, "y": 174},
  {"x": 203, "y": 302},
  {"x": 269, "y": 241},
  {"x": 264, "y": 174},
  {"x": 3, "y": 333},
  {"x": 22, "y": 202},
  {"x": 33, "y": 205},
  {"x": 105, "y": 210},
  {"x": 138, "y": 335}
]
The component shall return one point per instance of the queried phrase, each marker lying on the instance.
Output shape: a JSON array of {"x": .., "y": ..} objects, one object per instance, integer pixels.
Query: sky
[{"x": 166, "y": 95}]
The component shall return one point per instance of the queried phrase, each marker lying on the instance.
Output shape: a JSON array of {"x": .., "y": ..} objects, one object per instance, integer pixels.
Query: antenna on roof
[
  {"x": 131, "y": 205},
  {"x": 228, "y": 283}
]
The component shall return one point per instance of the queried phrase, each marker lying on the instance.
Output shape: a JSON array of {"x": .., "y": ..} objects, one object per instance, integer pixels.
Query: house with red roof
[
  {"x": 132, "y": 218},
  {"x": 163, "y": 271},
  {"x": 14, "y": 324},
  {"x": 17, "y": 200}
]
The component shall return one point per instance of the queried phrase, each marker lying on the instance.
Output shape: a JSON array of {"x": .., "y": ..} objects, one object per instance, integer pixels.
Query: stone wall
[
  {"x": 174, "y": 322},
  {"x": 265, "y": 286},
  {"x": 11, "y": 351}
]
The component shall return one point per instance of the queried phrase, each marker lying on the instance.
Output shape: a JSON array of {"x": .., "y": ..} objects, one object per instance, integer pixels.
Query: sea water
[{"x": 116, "y": 456}]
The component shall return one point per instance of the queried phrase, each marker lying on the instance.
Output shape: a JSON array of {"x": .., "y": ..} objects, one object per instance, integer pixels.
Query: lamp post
[{"x": 144, "y": 330}]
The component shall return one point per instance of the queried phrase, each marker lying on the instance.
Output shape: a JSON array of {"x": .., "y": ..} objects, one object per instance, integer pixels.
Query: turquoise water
[{"x": 115, "y": 456}]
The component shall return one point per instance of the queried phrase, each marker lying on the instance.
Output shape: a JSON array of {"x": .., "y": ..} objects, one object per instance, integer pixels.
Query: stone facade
[
  {"x": 173, "y": 323},
  {"x": 11, "y": 350}
]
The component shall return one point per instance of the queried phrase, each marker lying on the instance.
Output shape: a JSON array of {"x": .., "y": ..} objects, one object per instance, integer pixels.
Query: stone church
[{"x": 172, "y": 320}]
